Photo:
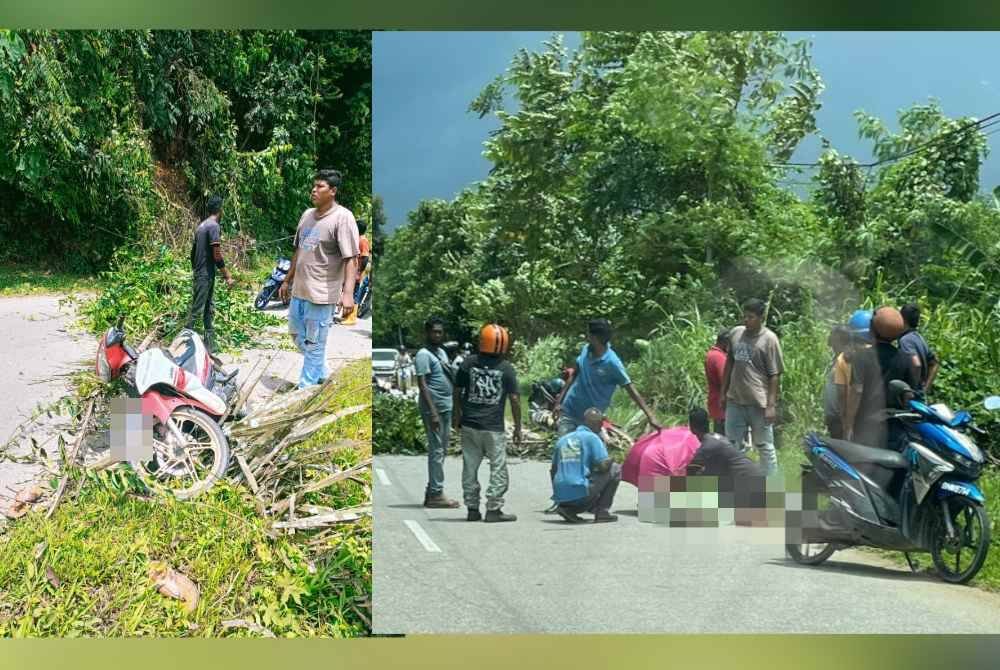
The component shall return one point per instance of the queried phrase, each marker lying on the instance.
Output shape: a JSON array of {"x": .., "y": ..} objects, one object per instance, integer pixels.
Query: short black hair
[
  {"x": 362, "y": 227},
  {"x": 432, "y": 322},
  {"x": 214, "y": 205},
  {"x": 755, "y": 305},
  {"x": 722, "y": 337},
  {"x": 331, "y": 177},
  {"x": 911, "y": 314},
  {"x": 839, "y": 333},
  {"x": 698, "y": 420},
  {"x": 600, "y": 328}
]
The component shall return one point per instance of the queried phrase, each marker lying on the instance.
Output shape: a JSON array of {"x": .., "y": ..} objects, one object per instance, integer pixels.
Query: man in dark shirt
[
  {"x": 923, "y": 359},
  {"x": 739, "y": 477},
  {"x": 482, "y": 385},
  {"x": 717, "y": 457},
  {"x": 206, "y": 256}
]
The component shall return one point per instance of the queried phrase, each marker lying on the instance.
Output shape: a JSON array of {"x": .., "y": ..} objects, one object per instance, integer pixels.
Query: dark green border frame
[{"x": 507, "y": 15}]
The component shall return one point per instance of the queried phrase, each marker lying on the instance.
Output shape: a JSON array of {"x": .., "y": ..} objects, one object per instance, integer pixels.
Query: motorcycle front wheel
[
  {"x": 810, "y": 554},
  {"x": 971, "y": 540},
  {"x": 264, "y": 297},
  {"x": 190, "y": 468}
]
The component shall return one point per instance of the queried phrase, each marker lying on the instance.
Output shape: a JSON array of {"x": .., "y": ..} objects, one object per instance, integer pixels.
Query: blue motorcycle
[
  {"x": 273, "y": 283},
  {"x": 918, "y": 500}
]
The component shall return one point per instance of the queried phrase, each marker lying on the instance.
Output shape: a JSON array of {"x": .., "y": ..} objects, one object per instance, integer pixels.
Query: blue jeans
[
  {"x": 359, "y": 288},
  {"x": 437, "y": 447},
  {"x": 309, "y": 324},
  {"x": 740, "y": 418}
]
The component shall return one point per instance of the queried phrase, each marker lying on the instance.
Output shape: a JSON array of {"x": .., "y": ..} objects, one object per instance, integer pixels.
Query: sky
[{"x": 427, "y": 145}]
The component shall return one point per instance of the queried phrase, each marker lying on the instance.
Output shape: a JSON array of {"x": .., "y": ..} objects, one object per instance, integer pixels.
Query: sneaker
[
  {"x": 569, "y": 515},
  {"x": 605, "y": 517},
  {"x": 440, "y": 502},
  {"x": 496, "y": 515},
  {"x": 473, "y": 515}
]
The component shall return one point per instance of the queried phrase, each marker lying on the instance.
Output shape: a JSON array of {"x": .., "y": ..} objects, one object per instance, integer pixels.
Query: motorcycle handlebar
[{"x": 130, "y": 351}]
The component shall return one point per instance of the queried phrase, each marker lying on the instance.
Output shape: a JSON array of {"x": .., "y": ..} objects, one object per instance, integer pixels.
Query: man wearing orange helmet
[{"x": 485, "y": 381}]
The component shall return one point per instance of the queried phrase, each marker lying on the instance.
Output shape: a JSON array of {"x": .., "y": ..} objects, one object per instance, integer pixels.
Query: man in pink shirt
[{"x": 715, "y": 368}]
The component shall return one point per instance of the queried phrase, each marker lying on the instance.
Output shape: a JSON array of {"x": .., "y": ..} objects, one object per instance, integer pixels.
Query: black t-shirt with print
[{"x": 486, "y": 381}]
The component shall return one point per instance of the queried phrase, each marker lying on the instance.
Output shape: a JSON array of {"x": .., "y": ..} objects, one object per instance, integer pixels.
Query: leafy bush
[
  {"x": 397, "y": 426},
  {"x": 544, "y": 359},
  {"x": 155, "y": 288}
]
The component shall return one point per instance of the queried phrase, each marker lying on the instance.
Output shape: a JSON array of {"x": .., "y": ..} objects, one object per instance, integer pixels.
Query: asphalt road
[{"x": 436, "y": 573}]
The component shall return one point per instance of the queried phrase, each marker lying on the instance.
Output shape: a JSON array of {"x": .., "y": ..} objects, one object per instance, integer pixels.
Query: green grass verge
[
  {"x": 15, "y": 281},
  {"x": 92, "y": 580}
]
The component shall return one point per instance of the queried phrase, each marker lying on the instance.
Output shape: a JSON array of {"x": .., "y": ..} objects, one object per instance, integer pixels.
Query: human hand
[
  {"x": 283, "y": 291},
  {"x": 770, "y": 414}
]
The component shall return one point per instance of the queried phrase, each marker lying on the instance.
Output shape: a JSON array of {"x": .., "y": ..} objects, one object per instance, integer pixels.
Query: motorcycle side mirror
[
  {"x": 992, "y": 403},
  {"x": 121, "y": 321}
]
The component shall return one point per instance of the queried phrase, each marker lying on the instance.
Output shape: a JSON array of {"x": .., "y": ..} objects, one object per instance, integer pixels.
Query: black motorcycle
[
  {"x": 365, "y": 299},
  {"x": 273, "y": 283}
]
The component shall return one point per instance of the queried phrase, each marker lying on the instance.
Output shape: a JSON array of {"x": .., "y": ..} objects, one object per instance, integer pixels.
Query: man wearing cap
[{"x": 598, "y": 372}]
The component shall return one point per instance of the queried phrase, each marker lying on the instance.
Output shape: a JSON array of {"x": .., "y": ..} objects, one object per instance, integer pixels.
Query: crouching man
[{"x": 584, "y": 478}]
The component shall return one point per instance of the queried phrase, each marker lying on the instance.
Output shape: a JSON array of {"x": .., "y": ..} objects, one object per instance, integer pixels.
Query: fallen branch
[
  {"x": 321, "y": 520},
  {"x": 64, "y": 480}
]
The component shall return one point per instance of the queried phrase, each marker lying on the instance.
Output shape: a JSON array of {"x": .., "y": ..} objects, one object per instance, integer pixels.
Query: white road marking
[
  {"x": 422, "y": 536},
  {"x": 383, "y": 478}
]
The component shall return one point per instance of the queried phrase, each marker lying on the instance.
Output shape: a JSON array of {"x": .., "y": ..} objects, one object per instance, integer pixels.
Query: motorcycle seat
[{"x": 857, "y": 454}]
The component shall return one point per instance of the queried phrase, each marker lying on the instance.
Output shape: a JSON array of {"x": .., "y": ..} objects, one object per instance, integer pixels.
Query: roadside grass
[
  {"x": 18, "y": 281},
  {"x": 84, "y": 572}
]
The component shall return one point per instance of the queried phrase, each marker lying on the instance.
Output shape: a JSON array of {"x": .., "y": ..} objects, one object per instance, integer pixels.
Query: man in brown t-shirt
[
  {"x": 326, "y": 248},
  {"x": 750, "y": 383}
]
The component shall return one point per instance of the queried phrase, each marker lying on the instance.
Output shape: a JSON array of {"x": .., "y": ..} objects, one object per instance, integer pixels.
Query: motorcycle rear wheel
[
  {"x": 965, "y": 513},
  {"x": 187, "y": 470}
]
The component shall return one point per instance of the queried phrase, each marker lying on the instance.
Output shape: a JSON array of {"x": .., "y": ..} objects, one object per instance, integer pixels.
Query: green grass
[
  {"x": 16, "y": 281},
  {"x": 101, "y": 543}
]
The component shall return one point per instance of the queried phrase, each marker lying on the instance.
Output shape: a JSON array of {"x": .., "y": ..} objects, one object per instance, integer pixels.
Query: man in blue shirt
[
  {"x": 584, "y": 478},
  {"x": 435, "y": 378},
  {"x": 923, "y": 360},
  {"x": 598, "y": 372}
]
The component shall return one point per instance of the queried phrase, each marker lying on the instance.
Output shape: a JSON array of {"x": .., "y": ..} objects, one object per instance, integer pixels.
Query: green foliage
[
  {"x": 155, "y": 288},
  {"x": 543, "y": 359},
  {"x": 100, "y": 545},
  {"x": 108, "y": 133},
  {"x": 397, "y": 426},
  {"x": 629, "y": 175}
]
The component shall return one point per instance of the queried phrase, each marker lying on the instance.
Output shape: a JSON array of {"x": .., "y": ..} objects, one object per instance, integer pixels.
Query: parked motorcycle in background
[
  {"x": 273, "y": 283},
  {"x": 187, "y": 396}
]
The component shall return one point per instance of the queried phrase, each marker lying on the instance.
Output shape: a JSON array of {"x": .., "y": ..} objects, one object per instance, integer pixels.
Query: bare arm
[
  {"x": 286, "y": 286},
  {"x": 770, "y": 412},
  {"x": 456, "y": 413},
  {"x": 425, "y": 393},
  {"x": 603, "y": 466},
  {"x": 726, "y": 375},
  {"x": 931, "y": 374},
  {"x": 515, "y": 411},
  {"x": 350, "y": 270},
  {"x": 565, "y": 390},
  {"x": 637, "y": 399}
]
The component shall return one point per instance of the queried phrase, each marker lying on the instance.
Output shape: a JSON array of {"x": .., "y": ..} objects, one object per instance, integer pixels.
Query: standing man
[
  {"x": 597, "y": 374},
  {"x": 584, "y": 478},
  {"x": 838, "y": 380},
  {"x": 364, "y": 259},
  {"x": 912, "y": 344},
  {"x": 715, "y": 368},
  {"x": 326, "y": 248},
  {"x": 403, "y": 363},
  {"x": 435, "y": 379},
  {"x": 206, "y": 256},
  {"x": 751, "y": 382},
  {"x": 484, "y": 382}
]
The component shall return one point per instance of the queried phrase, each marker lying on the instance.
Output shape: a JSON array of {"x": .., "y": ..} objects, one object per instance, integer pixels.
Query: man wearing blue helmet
[{"x": 866, "y": 391}]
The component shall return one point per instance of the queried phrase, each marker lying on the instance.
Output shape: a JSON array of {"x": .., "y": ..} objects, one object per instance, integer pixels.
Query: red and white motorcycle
[{"x": 187, "y": 396}]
